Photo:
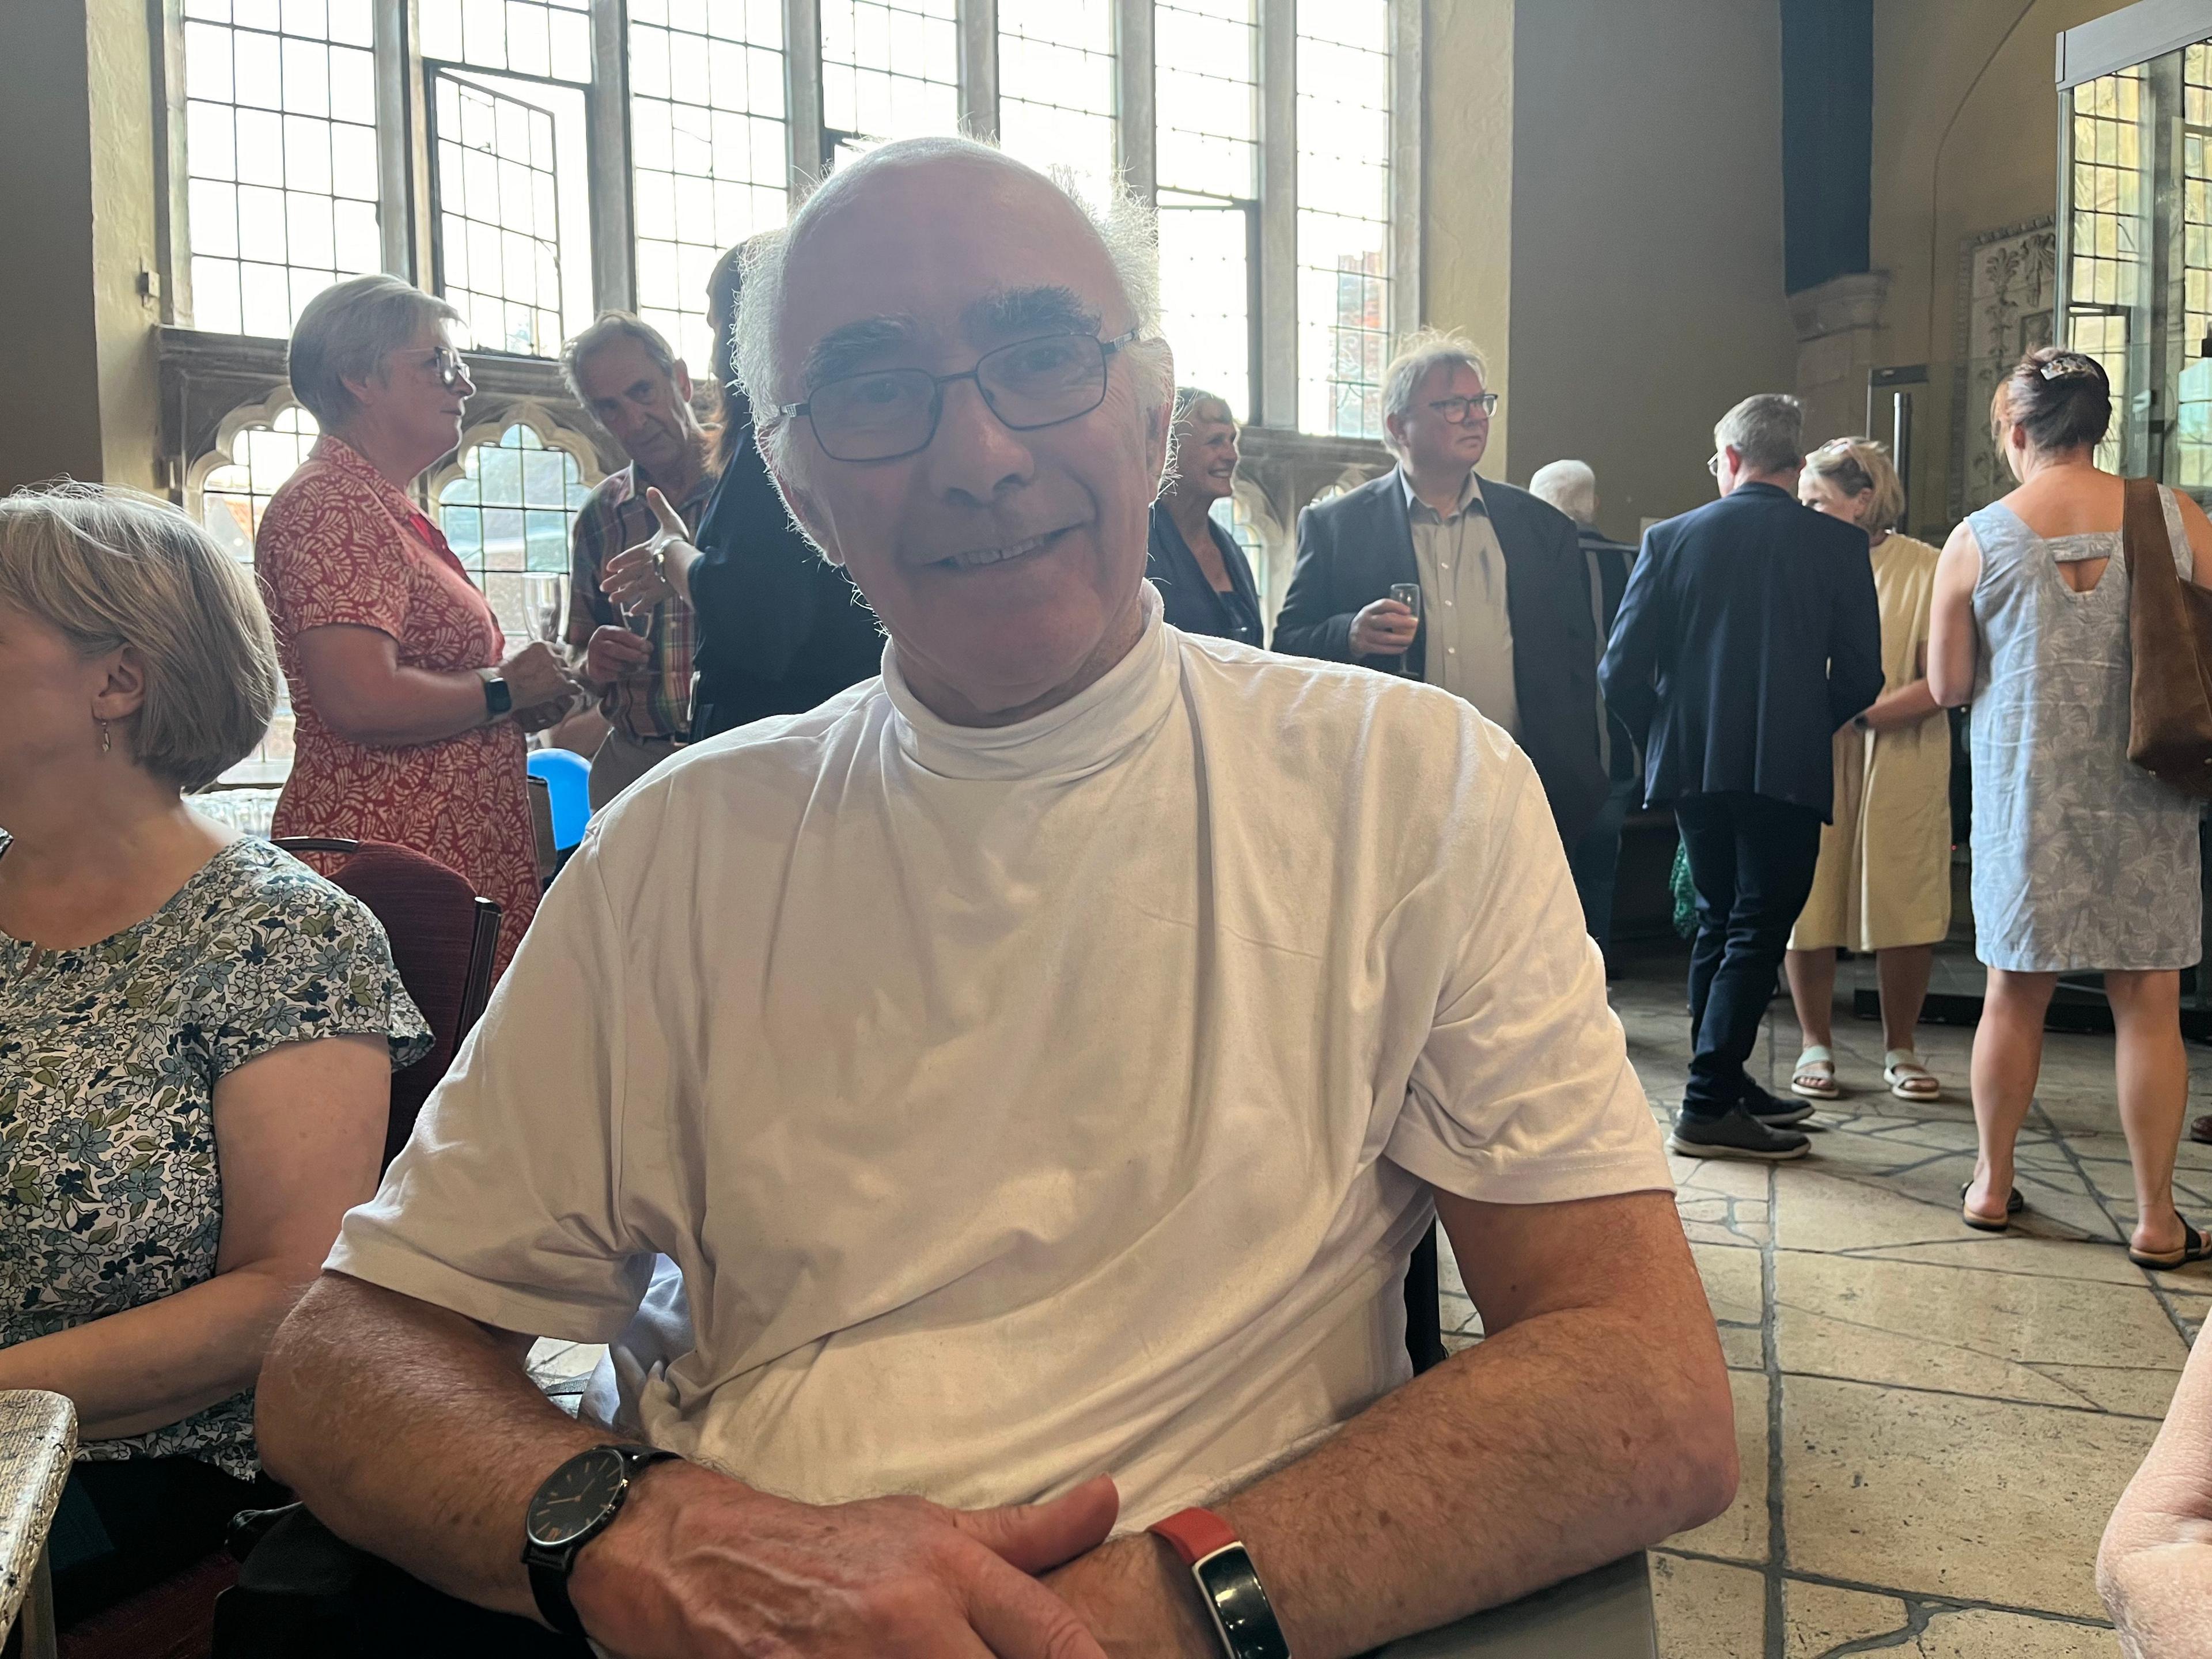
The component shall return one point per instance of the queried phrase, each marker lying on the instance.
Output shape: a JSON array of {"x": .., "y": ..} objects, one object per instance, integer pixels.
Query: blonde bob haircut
[
  {"x": 111, "y": 567},
  {"x": 1860, "y": 468}
]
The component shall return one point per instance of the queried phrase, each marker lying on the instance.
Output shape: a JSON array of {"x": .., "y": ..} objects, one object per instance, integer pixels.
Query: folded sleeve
[
  {"x": 302, "y": 960},
  {"x": 1522, "y": 1092},
  {"x": 506, "y": 1205},
  {"x": 338, "y": 558}
]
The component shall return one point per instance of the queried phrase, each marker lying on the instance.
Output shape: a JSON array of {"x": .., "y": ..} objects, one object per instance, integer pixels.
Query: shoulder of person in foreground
[
  {"x": 1372, "y": 741},
  {"x": 312, "y": 951}
]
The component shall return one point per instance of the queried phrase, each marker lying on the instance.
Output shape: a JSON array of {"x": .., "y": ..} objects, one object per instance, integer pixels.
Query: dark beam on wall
[{"x": 1828, "y": 138}]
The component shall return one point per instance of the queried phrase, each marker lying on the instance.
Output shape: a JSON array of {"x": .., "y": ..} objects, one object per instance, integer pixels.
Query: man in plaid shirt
[{"x": 623, "y": 371}]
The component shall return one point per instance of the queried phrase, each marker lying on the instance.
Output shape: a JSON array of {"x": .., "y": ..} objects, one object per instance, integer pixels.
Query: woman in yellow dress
[{"x": 1884, "y": 880}]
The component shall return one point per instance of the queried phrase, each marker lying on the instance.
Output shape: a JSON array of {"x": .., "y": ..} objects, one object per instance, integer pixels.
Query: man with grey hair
[
  {"x": 1503, "y": 620},
  {"x": 1748, "y": 634},
  {"x": 637, "y": 658},
  {"x": 1032, "y": 1066},
  {"x": 1571, "y": 487}
]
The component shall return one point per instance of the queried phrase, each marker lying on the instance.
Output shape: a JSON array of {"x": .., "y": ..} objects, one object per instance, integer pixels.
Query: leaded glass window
[
  {"x": 1343, "y": 214},
  {"x": 280, "y": 156}
]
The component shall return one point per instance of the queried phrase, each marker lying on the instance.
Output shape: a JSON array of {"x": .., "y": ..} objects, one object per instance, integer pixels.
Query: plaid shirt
[{"x": 654, "y": 700}]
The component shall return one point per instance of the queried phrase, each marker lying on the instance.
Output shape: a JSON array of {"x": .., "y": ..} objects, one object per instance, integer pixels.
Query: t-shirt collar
[{"x": 1089, "y": 731}]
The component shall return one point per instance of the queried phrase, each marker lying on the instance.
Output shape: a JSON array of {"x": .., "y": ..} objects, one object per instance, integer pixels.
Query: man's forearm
[
  {"x": 413, "y": 1433},
  {"x": 1534, "y": 1456}
]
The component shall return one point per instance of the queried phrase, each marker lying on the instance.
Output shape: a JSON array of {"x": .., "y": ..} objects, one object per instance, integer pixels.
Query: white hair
[
  {"x": 1570, "y": 486},
  {"x": 1124, "y": 226},
  {"x": 1421, "y": 356}
]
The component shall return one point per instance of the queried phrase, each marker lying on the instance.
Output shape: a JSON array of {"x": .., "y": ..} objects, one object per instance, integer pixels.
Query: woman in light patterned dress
[
  {"x": 197, "y": 1032},
  {"x": 410, "y": 721},
  {"x": 2082, "y": 861},
  {"x": 1883, "y": 884}
]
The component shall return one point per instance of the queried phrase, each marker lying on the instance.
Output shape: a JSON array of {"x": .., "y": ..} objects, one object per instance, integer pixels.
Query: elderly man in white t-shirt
[{"x": 1036, "y": 1065}]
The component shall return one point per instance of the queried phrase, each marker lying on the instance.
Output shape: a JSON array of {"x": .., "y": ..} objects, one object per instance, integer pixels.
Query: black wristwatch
[
  {"x": 578, "y": 1502},
  {"x": 499, "y": 697}
]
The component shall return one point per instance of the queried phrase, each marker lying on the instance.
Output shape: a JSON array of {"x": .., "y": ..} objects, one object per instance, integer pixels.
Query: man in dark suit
[
  {"x": 1748, "y": 634},
  {"x": 1571, "y": 487},
  {"x": 1506, "y": 615}
]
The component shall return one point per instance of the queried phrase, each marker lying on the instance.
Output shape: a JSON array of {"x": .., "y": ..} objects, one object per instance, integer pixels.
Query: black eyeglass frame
[
  {"x": 1484, "y": 401},
  {"x": 1107, "y": 348}
]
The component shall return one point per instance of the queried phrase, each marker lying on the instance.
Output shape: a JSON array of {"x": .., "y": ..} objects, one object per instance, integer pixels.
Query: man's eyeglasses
[
  {"x": 1713, "y": 464},
  {"x": 449, "y": 366},
  {"x": 1460, "y": 410},
  {"x": 888, "y": 414}
]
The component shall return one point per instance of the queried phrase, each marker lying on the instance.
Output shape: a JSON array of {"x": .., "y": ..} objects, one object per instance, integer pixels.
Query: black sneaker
[
  {"x": 1771, "y": 1110},
  {"x": 1735, "y": 1134}
]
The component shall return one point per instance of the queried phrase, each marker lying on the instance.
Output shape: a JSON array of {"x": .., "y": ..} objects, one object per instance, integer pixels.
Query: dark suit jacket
[
  {"x": 1353, "y": 549},
  {"x": 1748, "y": 634},
  {"x": 1610, "y": 562},
  {"x": 1192, "y": 603},
  {"x": 780, "y": 629}
]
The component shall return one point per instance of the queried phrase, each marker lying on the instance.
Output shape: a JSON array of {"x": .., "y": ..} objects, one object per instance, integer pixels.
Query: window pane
[
  {"x": 890, "y": 69},
  {"x": 703, "y": 181},
  {"x": 1057, "y": 101},
  {"x": 1206, "y": 84},
  {"x": 1344, "y": 213},
  {"x": 1205, "y": 275},
  {"x": 278, "y": 123},
  {"x": 232, "y": 500},
  {"x": 509, "y": 200},
  {"x": 508, "y": 518}
]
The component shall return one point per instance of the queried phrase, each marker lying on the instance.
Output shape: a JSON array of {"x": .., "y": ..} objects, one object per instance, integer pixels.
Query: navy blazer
[
  {"x": 1353, "y": 549},
  {"x": 1748, "y": 634},
  {"x": 1192, "y": 603}
]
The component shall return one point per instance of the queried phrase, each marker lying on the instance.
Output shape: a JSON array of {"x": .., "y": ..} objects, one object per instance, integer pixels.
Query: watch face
[
  {"x": 575, "y": 1497},
  {"x": 1240, "y": 1607}
]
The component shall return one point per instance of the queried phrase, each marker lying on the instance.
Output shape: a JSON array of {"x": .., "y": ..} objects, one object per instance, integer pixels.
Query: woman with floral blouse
[
  {"x": 410, "y": 712},
  {"x": 197, "y": 1032}
]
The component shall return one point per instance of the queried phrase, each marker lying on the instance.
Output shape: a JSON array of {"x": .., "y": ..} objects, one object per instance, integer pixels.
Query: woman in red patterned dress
[{"x": 411, "y": 721}]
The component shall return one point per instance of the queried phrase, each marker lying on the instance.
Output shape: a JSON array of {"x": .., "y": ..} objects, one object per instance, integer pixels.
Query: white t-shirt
[{"x": 1020, "y": 1104}]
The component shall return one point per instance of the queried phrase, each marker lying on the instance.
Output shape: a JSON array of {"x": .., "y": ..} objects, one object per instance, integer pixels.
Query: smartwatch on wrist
[
  {"x": 577, "y": 1503},
  {"x": 1234, "y": 1598},
  {"x": 499, "y": 697}
]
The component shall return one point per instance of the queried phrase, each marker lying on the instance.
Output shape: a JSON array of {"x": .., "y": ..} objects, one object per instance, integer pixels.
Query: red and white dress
[{"x": 339, "y": 544}]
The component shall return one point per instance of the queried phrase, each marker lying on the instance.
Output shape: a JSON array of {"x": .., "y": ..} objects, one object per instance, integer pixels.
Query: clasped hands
[{"x": 700, "y": 1566}]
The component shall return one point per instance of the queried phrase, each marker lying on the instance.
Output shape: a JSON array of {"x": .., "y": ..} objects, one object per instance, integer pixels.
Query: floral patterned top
[
  {"x": 339, "y": 545},
  {"x": 111, "y": 1195}
]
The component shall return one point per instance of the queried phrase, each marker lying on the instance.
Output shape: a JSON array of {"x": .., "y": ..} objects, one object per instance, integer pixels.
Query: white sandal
[
  {"x": 1907, "y": 1078},
  {"x": 1815, "y": 1076}
]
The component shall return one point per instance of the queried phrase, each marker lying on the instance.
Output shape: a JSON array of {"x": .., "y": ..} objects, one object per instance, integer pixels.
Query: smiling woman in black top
[{"x": 1197, "y": 566}]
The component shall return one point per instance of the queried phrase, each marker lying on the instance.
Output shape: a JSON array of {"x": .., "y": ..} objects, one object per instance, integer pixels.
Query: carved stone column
[{"x": 1836, "y": 324}]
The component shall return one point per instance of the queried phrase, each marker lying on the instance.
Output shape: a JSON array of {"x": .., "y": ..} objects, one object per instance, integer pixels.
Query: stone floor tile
[
  {"x": 1732, "y": 1287},
  {"x": 1708, "y": 1611},
  {"x": 1985, "y": 1633},
  {"x": 1740, "y": 1534},
  {"x": 1980, "y": 1499},
  {"x": 1914, "y": 1217},
  {"x": 2047, "y": 1341},
  {"x": 1818, "y": 1618}
]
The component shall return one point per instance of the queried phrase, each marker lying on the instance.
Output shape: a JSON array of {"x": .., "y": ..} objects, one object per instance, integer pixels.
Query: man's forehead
[
  {"x": 931, "y": 252},
  {"x": 1447, "y": 376}
]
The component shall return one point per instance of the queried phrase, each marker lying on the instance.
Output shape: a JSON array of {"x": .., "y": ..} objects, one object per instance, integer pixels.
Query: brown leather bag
[{"x": 2170, "y": 631}]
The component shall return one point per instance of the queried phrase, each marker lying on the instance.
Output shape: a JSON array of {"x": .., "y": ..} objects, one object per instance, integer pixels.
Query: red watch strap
[{"x": 1195, "y": 1534}]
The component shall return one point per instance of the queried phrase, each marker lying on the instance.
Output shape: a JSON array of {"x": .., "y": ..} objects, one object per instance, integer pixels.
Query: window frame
[{"x": 404, "y": 140}]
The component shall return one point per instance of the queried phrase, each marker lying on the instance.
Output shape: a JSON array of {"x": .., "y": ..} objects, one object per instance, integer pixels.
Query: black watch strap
[{"x": 549, "y": 1565}]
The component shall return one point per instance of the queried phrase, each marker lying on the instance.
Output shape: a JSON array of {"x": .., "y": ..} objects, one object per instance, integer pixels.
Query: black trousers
[
  {"x": 126, "y": 1525},
  {"x": 1751, "y": 860}
]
